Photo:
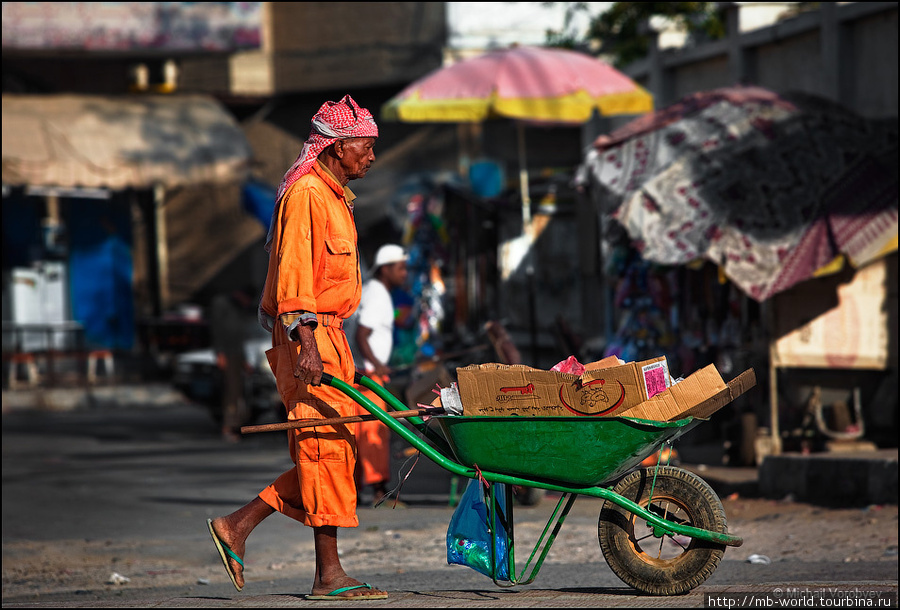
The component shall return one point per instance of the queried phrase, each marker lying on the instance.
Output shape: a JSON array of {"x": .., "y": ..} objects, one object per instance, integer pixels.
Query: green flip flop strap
[
  {"x": 337, "y": 592},
  {"x": 231, "y": 553}
]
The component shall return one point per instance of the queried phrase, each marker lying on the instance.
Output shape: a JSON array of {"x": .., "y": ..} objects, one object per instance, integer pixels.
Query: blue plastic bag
[{"x": 468, "y": 539}]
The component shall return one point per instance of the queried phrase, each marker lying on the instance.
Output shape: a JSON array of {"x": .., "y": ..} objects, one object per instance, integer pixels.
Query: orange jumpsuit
[
  {"x": 314, "y": 266},
  {"x": 373, "y": 439}
]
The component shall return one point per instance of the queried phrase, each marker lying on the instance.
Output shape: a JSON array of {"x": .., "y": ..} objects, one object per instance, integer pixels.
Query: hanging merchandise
[
  {"x": 425, "y": 237},
  {"x": 432, "y": 305},
  {"x": 644, "y": 296},
  {"x": 405, "y": 329}
]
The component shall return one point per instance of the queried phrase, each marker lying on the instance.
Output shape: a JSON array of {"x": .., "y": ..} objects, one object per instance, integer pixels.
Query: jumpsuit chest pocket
[{"x": 339, "y": 260}]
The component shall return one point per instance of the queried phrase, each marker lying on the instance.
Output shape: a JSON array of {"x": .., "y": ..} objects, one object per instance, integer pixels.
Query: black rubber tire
[{"x": 635, "y": 556}]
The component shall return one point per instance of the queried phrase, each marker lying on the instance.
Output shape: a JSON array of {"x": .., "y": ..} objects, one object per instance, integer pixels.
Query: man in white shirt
[{"x": 374, "y": 340}]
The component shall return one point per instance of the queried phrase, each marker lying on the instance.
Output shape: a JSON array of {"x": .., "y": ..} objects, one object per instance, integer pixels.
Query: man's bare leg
[
  {"x": 234, "y": 529},
  {"x": 330, "y": 574}
]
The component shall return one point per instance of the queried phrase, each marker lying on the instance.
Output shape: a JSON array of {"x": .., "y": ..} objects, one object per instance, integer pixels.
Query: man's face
[
  {"x": 358, "y": 156},
  {"x": 395, "y": 274}
]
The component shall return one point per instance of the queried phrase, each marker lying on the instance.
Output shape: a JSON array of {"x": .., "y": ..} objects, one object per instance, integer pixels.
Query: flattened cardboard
[
  {"x": 699, "y": 389},
  {"x": 496, "y": 389},
  {"x": 735, "y": 388},
  {"x": 604, "y": 364}
]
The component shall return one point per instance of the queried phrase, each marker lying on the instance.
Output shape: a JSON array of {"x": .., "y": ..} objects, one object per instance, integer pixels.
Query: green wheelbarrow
[{"x": 662, "y": 530}]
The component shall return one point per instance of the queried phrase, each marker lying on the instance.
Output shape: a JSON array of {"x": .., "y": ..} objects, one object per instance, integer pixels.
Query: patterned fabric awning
[
  {"x": 773, "y": 189},
  {"x": 118, "y": 142}
]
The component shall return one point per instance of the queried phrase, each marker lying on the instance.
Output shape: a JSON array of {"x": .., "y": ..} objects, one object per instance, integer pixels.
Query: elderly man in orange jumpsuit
[{"x": 313, "y": 284}]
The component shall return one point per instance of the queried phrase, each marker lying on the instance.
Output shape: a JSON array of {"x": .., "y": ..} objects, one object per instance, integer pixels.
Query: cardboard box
[
  {"x": 607, "y": 388},
  {"x": 496, "y": 389},
  {"x": 700, "y": 395},
  {"x": 679, "y": 398},
  {"x": 735, "y": 388}
]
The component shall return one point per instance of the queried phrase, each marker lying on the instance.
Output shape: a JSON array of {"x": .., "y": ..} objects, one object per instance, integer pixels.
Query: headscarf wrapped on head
[{"x": 334, "y": 121}]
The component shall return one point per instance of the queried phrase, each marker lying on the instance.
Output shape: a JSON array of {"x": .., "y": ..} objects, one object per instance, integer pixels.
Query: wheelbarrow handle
[{"x": 327, "y": 378}]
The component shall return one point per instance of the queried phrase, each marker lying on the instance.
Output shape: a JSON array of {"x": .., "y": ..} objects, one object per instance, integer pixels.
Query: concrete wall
[
  {"x": 698, "y": 76},
  {"x": 315, "y": 46},
  {"x": 795, "y": 64},
  {"x": 873, "y": 78},
  {"x": 844, "y": 51},
  {"x": 319, "y": 45}
]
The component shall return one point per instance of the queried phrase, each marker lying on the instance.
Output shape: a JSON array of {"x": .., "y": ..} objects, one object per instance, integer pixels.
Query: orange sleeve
[{"x": 295, "y": 276}]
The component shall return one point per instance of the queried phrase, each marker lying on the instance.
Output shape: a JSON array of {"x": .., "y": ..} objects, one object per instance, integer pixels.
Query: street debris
[
  {"x": 759, "y": 559},
  {"x": 117, "y": 579}
]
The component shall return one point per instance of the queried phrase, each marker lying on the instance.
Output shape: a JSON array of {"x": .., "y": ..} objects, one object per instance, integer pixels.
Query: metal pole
[
  {"x": 773, "y": 401},
  {"x": 523, "y": 178},
  {"x": 532, "y": 312},
  {"x": 773, "y": 378},
  {"x": 162, "y": 250}
]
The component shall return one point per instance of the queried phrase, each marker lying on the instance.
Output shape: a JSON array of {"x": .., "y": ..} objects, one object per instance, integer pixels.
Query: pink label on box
[{"x": 656, "y": 378}]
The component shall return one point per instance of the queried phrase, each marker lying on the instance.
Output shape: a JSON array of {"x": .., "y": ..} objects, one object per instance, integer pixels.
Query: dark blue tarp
[
  {"x": 259, "y": 201},
  {"x": 100, "y": 271}
]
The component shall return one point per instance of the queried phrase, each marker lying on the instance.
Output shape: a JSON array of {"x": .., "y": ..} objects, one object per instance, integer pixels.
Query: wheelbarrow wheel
[{"x": 667, "y": 565}]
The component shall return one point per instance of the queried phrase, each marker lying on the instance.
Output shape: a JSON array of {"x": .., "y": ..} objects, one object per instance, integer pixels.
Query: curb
[
  {"x": 858, "y": 479},
  {"x": 107, "y": 396}
]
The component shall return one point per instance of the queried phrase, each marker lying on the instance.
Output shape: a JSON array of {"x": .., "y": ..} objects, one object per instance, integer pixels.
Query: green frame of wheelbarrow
[{"x": 660, "y": 525}]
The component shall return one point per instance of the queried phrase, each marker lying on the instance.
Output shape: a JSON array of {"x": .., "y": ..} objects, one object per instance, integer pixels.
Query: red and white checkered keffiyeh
[{"x": 334, "y": 121}]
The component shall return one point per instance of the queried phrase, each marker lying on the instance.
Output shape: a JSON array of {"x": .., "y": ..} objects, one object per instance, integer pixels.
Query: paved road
[{"x": 92, "y": 493}]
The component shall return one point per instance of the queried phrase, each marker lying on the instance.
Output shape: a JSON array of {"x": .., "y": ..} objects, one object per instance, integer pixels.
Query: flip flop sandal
[
  {"x": 336, "y": 594},
  {"x": 225, "y": 553}
]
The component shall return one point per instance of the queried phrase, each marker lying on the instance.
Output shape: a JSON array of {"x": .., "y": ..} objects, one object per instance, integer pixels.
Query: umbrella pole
[
  {"x": 523, "y": 178},
  {"x": 527, "y": 230}
]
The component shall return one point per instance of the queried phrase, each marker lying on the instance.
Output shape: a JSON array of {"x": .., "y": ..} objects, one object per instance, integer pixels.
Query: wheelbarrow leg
[{"x": 541, "y": 547}]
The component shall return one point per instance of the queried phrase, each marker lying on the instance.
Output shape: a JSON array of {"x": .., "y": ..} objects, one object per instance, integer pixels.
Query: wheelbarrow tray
[{"x": 583, "y": 451}]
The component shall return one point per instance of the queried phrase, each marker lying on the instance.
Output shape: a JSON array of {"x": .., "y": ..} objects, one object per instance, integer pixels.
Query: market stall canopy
[
  {"x": 76, "y": 141},
  {"x": 775, "y": 189}
]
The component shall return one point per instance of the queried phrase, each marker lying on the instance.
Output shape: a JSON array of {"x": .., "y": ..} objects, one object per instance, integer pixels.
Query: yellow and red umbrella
[{"x": 522, "y": 82}]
